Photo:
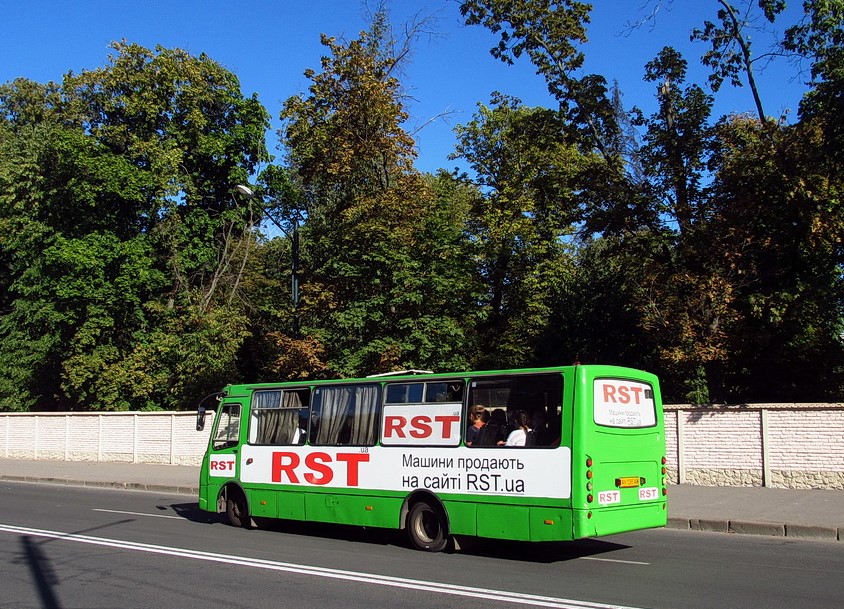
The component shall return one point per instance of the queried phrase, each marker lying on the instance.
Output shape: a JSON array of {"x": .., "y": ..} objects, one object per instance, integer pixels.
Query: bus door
[
  {"x": 619, "y": 449},
  {"x": 221, "y": 462}
]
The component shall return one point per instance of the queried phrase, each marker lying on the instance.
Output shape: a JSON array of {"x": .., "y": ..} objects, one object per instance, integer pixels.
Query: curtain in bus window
[
  {"x": 265, "y": 409},
  {"x": 348, "y": 415},
  {"x": 365, "y": 422},
  {"x": 291, "y": 400},
  {"x": 335, "y": 402},
  {"x": 277, "y": 416},
  {"x": 286, "y": 422},
  {"x": 289, "y": 417}
]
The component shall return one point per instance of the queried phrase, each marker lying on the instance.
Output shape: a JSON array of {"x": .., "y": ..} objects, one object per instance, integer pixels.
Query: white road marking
[
  {"x": 138, "y": 514},
  {"x": 623, "y": 562},
  {"x": 518, "y": 598},
  {"x": 615, "y": 560}
]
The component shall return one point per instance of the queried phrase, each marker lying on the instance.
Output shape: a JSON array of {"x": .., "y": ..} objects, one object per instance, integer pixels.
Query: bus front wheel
[
  {"x": 426, "y": 527},
  {"x": 237, "y": 510}
]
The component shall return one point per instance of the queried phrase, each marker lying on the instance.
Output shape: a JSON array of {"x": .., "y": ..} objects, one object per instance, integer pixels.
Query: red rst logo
[
  {"x": 318, "y": 468},
  {"x": 421, "y": 426},
  {"x": 222, "y": 466},
  {"x": 648, "y": 493},
  {"x": 621, "y": 394},
  {"x": 609, "y": 497}
]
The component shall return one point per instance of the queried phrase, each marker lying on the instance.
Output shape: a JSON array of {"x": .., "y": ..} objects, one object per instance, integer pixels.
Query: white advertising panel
[
  {"x": 222, "y": 466},
  {"x": 421, "y": 425},
  {"x": 506, "y": 471},
  {"x": 623, "y": 403}
]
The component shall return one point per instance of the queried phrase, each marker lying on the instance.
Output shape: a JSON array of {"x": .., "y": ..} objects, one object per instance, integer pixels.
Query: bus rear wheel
[
  {"x": 237, "y": 510},
  {"x": 426, "y": 527}
]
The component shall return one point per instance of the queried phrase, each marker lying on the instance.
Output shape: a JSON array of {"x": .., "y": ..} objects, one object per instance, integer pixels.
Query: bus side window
[
  {"x": 346, "y": 415},
  {"x": 404, "y": 393},
  {"x": 450, "y": 391},
  {"x": 279, "y": 417},
  {"x": 537, "y": 397}
]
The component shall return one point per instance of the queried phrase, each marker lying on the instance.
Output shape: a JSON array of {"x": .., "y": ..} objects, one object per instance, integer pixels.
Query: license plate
[{"x": 628, "y": 482}]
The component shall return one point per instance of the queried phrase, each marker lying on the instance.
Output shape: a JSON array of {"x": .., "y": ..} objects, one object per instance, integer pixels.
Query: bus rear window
[{"x": 624, "y": 403}]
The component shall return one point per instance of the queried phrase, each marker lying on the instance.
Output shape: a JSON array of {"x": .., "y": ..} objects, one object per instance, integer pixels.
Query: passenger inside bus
[
  {"x": 477, "y": 420},
  {"x": 521, "y": 430},
  {"x": 494, "y": 433}
]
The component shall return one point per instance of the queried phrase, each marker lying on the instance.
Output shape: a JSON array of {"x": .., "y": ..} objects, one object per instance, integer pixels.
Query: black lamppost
[{"x": 294, "y": 264}]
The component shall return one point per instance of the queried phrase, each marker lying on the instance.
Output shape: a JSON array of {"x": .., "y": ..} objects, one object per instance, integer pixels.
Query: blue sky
[{"x": 269, "y": 43}]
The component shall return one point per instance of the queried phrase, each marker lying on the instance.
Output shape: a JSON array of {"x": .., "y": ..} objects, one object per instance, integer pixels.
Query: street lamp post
[
  {"x": 294, "y": 264},
  {"x": 294, "y": 277}
]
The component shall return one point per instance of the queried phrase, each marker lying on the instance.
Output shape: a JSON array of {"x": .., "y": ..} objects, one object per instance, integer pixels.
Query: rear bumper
[{"x": 607, "y": 521}]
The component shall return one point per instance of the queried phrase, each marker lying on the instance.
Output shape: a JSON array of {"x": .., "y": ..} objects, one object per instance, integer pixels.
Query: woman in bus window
[
  {"x": 521, "y": 430},
  {"x": 477, "y": 419}
]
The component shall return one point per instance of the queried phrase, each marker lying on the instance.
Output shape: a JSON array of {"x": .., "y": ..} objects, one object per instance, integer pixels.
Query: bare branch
[
  {"x": 650, "y": 18},
  {"x": 441, "y": 116}
]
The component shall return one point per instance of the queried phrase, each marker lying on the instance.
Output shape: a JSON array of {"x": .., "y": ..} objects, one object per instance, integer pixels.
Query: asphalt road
[{"x": 67, "y": 547}]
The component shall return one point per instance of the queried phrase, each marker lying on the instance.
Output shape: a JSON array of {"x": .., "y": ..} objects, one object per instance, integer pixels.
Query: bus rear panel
[{"x": 620, "y": 445}]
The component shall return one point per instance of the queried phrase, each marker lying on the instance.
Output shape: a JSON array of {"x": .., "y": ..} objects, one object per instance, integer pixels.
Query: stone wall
[
  {"x": 774, "y": 445},
  {"x": 135, "y": 437}
]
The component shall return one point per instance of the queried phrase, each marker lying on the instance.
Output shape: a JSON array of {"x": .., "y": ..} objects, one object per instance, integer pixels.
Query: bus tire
[
  {"x": 426, "y": 527},
  {"x": 237, "y": 509}
]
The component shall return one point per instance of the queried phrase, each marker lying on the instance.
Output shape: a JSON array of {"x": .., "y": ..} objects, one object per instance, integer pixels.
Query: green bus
[{"x": 546, "y": 454}]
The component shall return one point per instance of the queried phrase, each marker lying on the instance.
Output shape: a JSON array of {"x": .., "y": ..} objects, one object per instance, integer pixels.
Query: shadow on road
[
  {"x": 538, "y": 552},
  {"x": 44, "y": 576},
  {"x": 191, "y": 511}
]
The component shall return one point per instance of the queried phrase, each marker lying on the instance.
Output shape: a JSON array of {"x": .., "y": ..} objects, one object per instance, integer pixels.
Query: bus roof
[{"x": 420, "y": 376}]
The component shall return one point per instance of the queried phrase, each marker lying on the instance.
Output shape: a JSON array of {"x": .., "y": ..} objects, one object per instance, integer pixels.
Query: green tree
[
  {"x": 777, "y": 223},
  {"x": 819, "y": 38},
  {"x": 528, "y": 176},
  {"x": 117, "y": 185},
  {"x": 377, "y": 293},
  {"x": 686, "y": 294},
  {"x": 549, "y": 32},
  {"x": 731, "y": 54},
  {"x": 593, "y": 317}
]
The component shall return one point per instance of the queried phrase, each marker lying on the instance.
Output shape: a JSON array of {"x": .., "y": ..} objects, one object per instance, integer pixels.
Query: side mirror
[{"x": 200, "y": 418}]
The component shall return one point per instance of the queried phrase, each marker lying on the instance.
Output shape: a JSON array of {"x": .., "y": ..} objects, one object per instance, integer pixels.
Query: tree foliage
[
  {"x": 135, "y": 275},
  {"x": 549, "y": 32},
  {"x": 378, "y": 292},
  {"x": 527, "y": 172},
  {"x": 120, "y": 236},
  {"x": 700, "y": 308}
]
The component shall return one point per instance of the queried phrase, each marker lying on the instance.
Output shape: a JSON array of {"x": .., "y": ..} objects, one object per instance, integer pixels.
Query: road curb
[
  {"x": 799, "y": 531},
  {"x": 745, "y": 527},
  {"x": 678, "y": 523},
  {"x": 771, "y": 529},
  {"x": 709, "y": 525},
  {"x": 126, "y": 486}
]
